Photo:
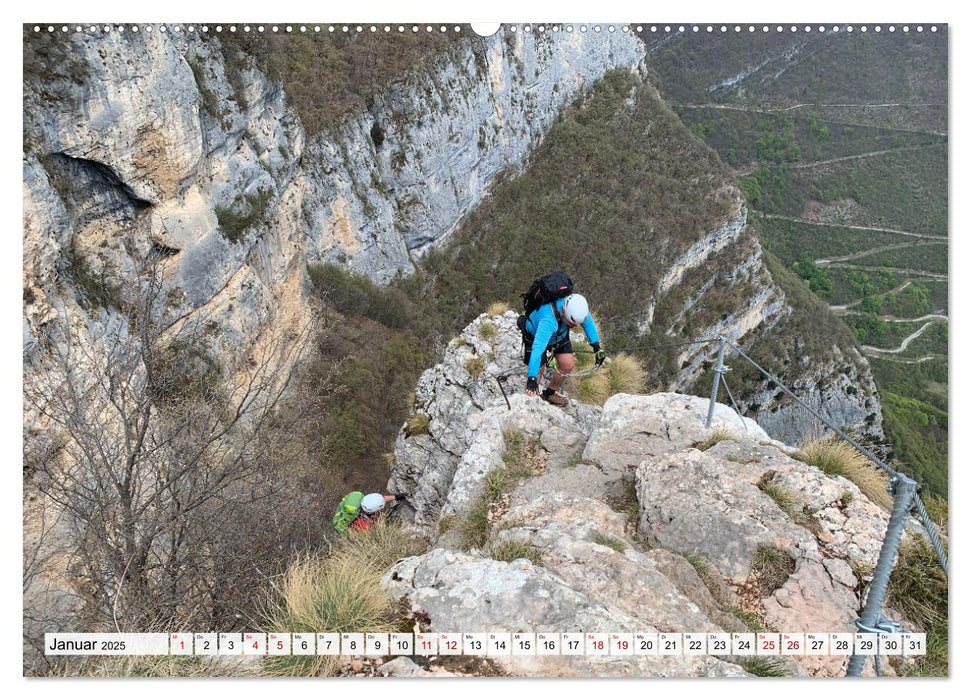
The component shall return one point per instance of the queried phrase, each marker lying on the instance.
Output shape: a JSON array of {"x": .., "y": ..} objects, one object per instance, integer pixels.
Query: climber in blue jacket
[{"x": 547, "y": 330}]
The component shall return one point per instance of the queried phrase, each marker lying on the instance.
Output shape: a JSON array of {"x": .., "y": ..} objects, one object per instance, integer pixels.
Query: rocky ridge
[{"x": 683, "y": 557}]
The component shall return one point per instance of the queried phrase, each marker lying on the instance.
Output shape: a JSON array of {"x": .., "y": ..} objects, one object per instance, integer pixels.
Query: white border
[{"x": 603, "y": 11}]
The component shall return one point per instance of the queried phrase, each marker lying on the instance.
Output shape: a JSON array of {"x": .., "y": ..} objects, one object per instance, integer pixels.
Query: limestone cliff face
[
  {"x": 154, "y": 146},
  {"x": 623, "y": 517},
  {"x": 446, "y": 136}
]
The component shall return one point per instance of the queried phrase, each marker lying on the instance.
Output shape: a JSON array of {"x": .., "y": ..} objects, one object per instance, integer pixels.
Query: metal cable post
[
  {"x": 904, "y": 490},
  {"x": 719, "y": 370}
]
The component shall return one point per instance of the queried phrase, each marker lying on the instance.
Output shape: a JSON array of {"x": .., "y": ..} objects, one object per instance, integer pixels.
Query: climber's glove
[
  {"x": 532, "y": 386},
  {"x": 599, "y": 354}
]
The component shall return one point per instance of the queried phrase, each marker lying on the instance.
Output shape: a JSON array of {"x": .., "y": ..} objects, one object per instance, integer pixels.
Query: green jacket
[{"x": 347, "y": 511}]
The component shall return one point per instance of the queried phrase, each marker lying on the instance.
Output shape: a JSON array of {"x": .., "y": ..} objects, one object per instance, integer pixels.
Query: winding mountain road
[
  {"x": 864, "y": 253},
  {"x": 903, "y": 345},
  {"x": 904, "y": 270},
  {"x": 855, "y": 227}
]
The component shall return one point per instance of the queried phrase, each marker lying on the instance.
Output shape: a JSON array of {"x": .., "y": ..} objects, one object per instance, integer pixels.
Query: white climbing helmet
[
  {"x": 372, "y": 503},
  {"x": 575, "y": 309}
]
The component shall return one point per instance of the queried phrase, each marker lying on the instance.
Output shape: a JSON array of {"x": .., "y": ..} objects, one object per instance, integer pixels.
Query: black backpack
[{"x": 546, "y": 290}]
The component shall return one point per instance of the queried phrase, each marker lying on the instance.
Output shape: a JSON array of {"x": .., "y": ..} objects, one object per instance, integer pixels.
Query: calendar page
[{"x": 430, "y": 349}]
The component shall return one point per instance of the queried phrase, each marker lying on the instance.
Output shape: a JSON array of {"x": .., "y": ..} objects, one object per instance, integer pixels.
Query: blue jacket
[{"x": 548, "y": 329}]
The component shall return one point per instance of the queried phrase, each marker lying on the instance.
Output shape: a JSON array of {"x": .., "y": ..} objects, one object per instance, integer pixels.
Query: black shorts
[{"x": 564, "y": 347}]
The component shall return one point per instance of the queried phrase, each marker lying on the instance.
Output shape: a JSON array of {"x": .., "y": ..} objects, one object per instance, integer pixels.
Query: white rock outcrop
[{"x": 626, "y": 519}]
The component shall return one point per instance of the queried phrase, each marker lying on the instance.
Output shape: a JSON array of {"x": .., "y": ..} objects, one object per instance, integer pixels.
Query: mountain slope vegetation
[{"x": 841, "y": 141}]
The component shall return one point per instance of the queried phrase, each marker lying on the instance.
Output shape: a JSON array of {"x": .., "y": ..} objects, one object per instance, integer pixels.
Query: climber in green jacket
[{"x": 359, "y": 512}]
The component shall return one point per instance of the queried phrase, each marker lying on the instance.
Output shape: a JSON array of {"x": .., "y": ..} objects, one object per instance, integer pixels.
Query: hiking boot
[{"x": 550, "y": 396}]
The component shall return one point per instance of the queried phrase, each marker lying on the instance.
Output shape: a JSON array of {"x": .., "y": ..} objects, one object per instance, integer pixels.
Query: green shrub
[
  {"x": 328, "y": 75},
  {"x": 356, "y": 295},
  {"x": 918, "y": 430},
  {"x": 363, "y": 375},
  {"x": 244, "y": 213},
  {"x": 817, "y": 277}
]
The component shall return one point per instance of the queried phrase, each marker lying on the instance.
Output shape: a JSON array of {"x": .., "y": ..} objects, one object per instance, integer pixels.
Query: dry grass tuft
[
  {"x": 339, "y": 593},
  {"x": 498, "y": 308},
  {"x": 918, "y": 589},
  {"x": 772, "y": 568},
  {"x": 475, "y": 366},
  {"x": 488, "y": 330},
  {"x": 626, "y": 502},
  {"x": 838, "y": 458},
  {"x": 511, "y": 548},
  {"x": 446, "y": 523},
  {"x": 417, "y": 424},
  {"x": 622, "y": 374},
  {"x": 714, "y": 437}
]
